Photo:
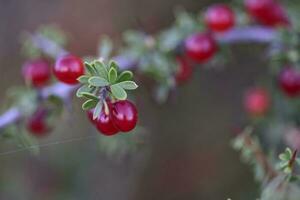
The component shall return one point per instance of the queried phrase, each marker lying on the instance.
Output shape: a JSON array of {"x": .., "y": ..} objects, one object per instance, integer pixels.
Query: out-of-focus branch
[
  {"x": 259, "y": 156},
  {"x": 256, "y": 34}
]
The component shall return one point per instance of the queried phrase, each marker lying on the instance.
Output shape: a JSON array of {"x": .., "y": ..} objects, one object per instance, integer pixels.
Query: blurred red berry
[
  {"x": 37, "y": 72},
  {"x": 37, "y": 123},
  {"x": 200, "y": 47},
  {"x": 105, "y": 124},
  {"x": 185, "y": 71},
  {"x": 68, "y": 68},
  {"x": 289, "y": 81},
  {"x": 267, "y": 12},
  {"x": 124, "y": 115},
  {"x": 257, "y": 101},
  {"x": 219, "y": 18}
]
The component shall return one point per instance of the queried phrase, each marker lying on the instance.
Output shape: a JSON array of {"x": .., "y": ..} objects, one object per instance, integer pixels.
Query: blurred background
[{"x": 187, "y": 154}]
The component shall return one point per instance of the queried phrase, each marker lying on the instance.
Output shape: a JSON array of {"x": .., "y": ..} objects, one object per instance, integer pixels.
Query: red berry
[
  {"x": 267, "y": 12},
  {"x": 200, "y": 47},
  {"x": 37, "y": 124},
  {"x": 105, "y": 124},
  {"x": 37, "y": 72},
  {"x": 68, "y": 68},
  {"x": 289, "y": 81},
  {"x": 124, "y": 115},
  {"x": 257, "y": 101},
  {"x": 185, "y": 71},
  {"x": 219, "y": 18}
]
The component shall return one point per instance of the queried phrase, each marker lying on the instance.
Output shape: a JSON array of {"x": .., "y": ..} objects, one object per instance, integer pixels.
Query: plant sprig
[{"x": 101, "y": 82}]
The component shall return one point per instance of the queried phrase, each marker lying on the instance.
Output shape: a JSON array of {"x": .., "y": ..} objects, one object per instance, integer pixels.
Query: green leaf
[
  {"x": 288, "y": 153},
  {"x": 128, "y": 85},
  {"x": 90, "y": 69},
  {"x": 89, "y": 104},
  {"x": 113, "y": 64},
  {"x": 105, "y": 47},
  {"x": 82, "y": 89},
  {"x": 125, "y": 76},
  {"x": 118, "y": 92},
  {"x": 112, "y": 75},
  {"x": 101, "y": 68},
  {"x": 83, "y": 79},
  {"x": 98, "y": 81},
  {"x": 97, "y": 110},
  {"x": 284, "y": 157},
  {"x": 90, "y": 96}
]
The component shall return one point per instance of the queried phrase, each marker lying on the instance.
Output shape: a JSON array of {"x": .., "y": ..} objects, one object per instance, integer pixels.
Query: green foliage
[
  {"x": 121, "y": 145},
  {"x": 103, "y": 81},
  {"x": 248, "y": 146},
  {"x": 52, "y": 32}
]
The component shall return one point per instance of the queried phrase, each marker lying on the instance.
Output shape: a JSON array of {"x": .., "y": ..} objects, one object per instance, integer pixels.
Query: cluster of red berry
[
  {"x": 198, "y": 48},
  {"x": 117, "y": 116},
  {"x": 201, "y": 47},
  {"x": 37, "y": 73}
]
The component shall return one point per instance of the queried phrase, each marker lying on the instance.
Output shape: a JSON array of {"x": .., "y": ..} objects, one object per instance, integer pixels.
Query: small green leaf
[
  {"x": 90, "y": 69},
  {"x": 118, "y": 92},
  {"x": 89, "y": 104},
  {"x": 283, "y": 157},
  {"x": 97, "y": 110},
  {"x": 125, "y": 76},
  {"x": 101, "y": 68},
  {"x": 82, "y": 89},
  {"x": 98, "y": 81},
  {"x": 83, "y": 79},
  {"x": 90, "y": 96},
  {"x": 105, "y": 47},
  {"x": 128, "y": 85},
  {"x": 113, "y": 64},
  {"x": 112, "y": 75}
]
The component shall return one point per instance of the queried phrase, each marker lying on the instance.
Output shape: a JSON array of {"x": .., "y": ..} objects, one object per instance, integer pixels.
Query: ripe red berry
[
  {"x": 200, "y": 47},
  {"x": 219, "y": 18},
  {"x": 256, "y": 101},
  {"x": 68, "y": 68},
  {"x": 124, "y": 115},
  {"x": 289, "y": 81},
  {"x": 185, "y": 71},
  {"x": 267, "y": 12},
  {"x": 37, "y": 72},
  {"x": 37, "y": 123},
  {"x": 105, "y": 124}
]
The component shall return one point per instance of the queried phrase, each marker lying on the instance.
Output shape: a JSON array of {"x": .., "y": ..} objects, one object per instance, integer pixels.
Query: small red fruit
[
  {"x": 185, "y": 71},
  {"x": 105, "y": 124},
  {"x": 124, "y": 115},
  {"x": 267, "y": 12},
  {"x": 289, "y": 81},
  {"x": 257, "y": 101},
  {"x": 37, "y": 72},
  {"x": 37, "y": 124},
  {"x": 68, "y": 68},
  {"x": 200, "y": 47},
  {"x": 219, "y": 18}
]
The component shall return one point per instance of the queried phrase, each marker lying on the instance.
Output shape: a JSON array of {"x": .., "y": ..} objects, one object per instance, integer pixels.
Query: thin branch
[
  {"x": 256, "y": 34},
  {"x": 258, "y": 154}
]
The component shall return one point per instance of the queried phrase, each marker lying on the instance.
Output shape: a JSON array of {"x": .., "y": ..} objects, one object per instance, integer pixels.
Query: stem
[
  {"x": 256, "y": 34},
  {"x": 260, "y": 157}
]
